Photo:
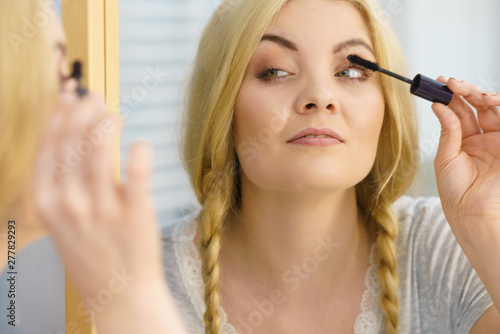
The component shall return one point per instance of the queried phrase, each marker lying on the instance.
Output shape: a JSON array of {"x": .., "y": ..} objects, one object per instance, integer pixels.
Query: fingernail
[
  {"x": 490, "y": 94},
  {"x": 457, "y": 80}
]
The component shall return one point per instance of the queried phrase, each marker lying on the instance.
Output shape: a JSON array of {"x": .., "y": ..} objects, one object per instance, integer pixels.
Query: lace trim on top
[{"x": 369, "y": 321}]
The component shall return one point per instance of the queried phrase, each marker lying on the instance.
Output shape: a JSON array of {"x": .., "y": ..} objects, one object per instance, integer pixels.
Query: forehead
[{"x": 313, "y": 20}]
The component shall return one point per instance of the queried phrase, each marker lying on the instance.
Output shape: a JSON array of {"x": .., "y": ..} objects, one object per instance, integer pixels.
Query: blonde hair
[
  {"x": 28, "y": 88},
  {"x": 209, "y": 154}
]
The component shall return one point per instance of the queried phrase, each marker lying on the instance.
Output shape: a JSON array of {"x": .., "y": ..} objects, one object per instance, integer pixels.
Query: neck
[{"x": 309, "y": 239}]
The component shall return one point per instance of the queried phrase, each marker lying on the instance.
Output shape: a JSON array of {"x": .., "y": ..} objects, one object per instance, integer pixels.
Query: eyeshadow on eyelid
[{"x": 268, "y": 59}]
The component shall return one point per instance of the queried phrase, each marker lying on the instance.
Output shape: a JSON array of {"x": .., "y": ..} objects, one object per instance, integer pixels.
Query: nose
[{"x": 317, "y": 94}]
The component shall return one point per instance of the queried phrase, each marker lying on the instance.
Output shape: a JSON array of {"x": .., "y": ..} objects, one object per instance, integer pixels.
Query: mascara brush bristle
[{"x": 355, "y": 59}]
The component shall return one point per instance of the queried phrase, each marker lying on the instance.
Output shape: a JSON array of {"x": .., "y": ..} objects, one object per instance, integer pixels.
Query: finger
[
  {"x": 73, "y": 147},
  {"x": 99, "y": 172},
  {"x": 464, "y": 112},
  {"x": 486, "y": 114},
  {"x": 139, "y": 170},
  {"x": 48, "y": 193},
  {"x": 70, "y": 85},
  {"x": 46, "y": 168},
  {"x": 493, "y": 100},
  {"x": 442, "y": 79},
  {"x": 450, "y": 141},
  {"x": 75, "y": 205},
  {"x": 468, "y": 120},
  {"x": 75, "y": 200},
  {"x": 74, "y": 197}
]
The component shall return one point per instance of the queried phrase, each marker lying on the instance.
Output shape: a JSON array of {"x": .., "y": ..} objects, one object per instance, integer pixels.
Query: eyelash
[{"x": 367, "y": 73}]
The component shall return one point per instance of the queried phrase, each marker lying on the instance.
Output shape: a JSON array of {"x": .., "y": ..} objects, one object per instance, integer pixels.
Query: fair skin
[{"x": 287, "y": 204}]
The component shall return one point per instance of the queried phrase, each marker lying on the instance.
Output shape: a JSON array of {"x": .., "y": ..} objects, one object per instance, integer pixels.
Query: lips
[{"x": 316, "y": 132}]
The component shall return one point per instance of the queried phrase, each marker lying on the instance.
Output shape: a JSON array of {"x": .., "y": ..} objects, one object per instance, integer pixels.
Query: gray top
[{"x": 439, "y": 291}]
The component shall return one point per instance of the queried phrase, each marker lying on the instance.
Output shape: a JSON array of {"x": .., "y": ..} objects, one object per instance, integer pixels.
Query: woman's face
[{"x": 299, "y": 78}]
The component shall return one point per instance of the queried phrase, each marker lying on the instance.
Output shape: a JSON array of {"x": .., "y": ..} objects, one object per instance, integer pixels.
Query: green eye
[
  {"x": 349, "y": 74},
  {"x": 272, "y": 73},
  {"x": 275, "y": 73}
]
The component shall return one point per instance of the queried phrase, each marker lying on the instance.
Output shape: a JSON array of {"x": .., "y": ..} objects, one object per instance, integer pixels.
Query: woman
[
  {"x": 293, "y": 227},
  {"x": 40, "y": 115},
  {"x": 288, "y": 226}
]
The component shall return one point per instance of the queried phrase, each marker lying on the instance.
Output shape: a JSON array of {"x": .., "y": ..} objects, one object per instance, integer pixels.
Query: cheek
[
  {"x": 366, "y": 124},
  {"x": 247, "y": 122},
  {"x": 248, "y": 113},
  {"x": 259, "y": 116},
  {"x": 372, "y": 123},
  {"x": 374, "y": 109}
]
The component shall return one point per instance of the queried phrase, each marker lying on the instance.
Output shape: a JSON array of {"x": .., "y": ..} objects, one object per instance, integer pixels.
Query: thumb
[
  {"x": 139, "y": 170},
  {"x": 450, "y": 142}
]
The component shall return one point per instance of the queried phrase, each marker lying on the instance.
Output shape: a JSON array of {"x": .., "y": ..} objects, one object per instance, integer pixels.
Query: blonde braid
[
  {"x": 219, "y": 201},
  {"x": 210, "y": 244},
  {"x": 386, "y": 232},
  {"x": 376, "y": 205}
]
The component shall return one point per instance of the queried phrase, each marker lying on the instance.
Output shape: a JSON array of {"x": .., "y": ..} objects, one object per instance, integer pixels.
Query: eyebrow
[
  {"x": 352, "y": 42},
  {"x": 281, "y": 41},
  {"x": 339, "y": 47}
]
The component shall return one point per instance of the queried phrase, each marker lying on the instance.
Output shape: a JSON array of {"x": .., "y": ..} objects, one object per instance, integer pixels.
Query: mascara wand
[{"x": 421, "y": 86}]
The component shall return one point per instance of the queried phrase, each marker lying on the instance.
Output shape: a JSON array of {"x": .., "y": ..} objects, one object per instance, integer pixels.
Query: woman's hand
[
  {"x": 467, "y": 168},
  {"x": 106, "y": 232},
  {"x": 468, "y": 160}
]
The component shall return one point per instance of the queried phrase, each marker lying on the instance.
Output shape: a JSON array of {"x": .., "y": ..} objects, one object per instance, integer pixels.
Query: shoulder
[
  {"x": 424, "y": 237},
  {"x": 437, "y": 280},
  {"x": 420, "y": 219},
  {"x": 418, "y": 209},
  {"x": 425, "y": 240}
]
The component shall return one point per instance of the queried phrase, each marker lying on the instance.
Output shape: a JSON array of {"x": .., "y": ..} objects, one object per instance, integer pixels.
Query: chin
[{"x": 314, "y": 182}]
